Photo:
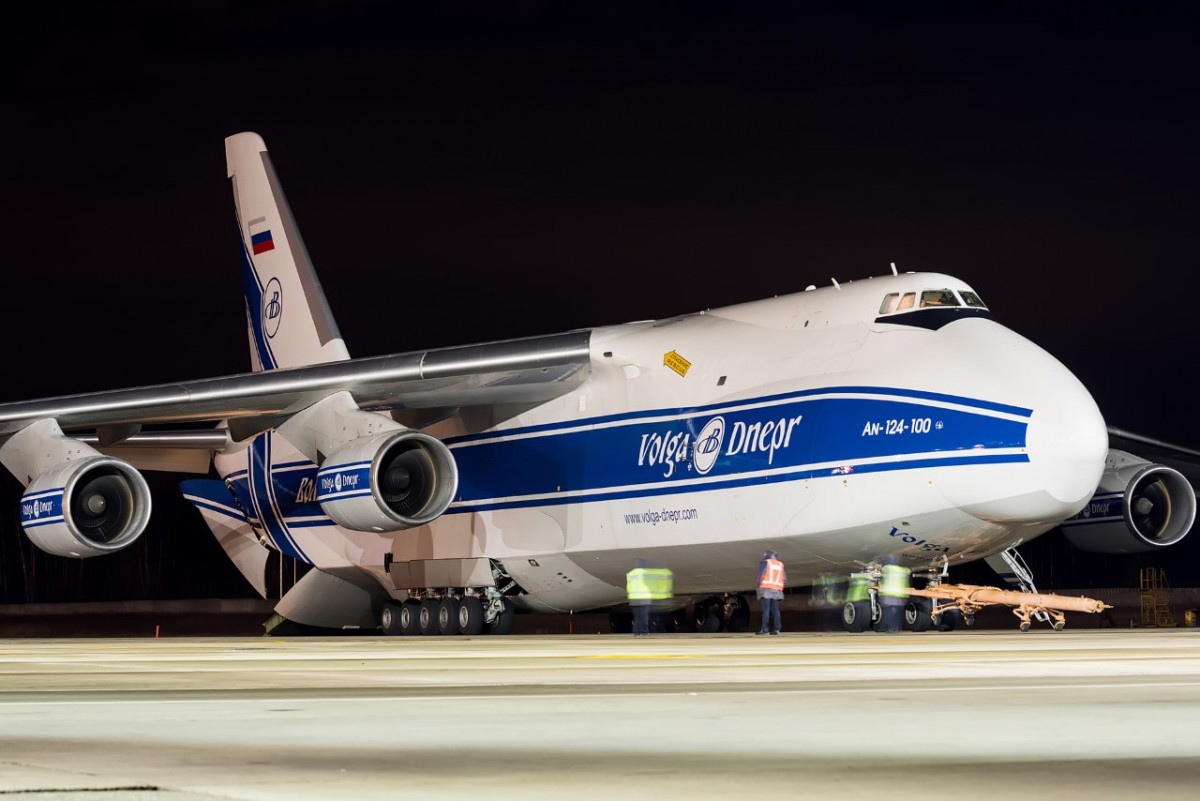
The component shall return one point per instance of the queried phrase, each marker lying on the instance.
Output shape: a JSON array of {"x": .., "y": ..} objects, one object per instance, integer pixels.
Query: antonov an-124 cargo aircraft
[{"x": 442, "y": 491}]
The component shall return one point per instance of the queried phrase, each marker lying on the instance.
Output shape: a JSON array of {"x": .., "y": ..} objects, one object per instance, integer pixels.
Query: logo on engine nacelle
[
  {"x": 35, "y": 508},
  {"x": 272, "y": 310}
]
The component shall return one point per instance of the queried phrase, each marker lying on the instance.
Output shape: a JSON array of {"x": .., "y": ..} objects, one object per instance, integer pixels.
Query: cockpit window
[
  {"x": 929, "y": 298},
  {"x": 971, "y": 299},
  {"x": 938, "y": 297}
]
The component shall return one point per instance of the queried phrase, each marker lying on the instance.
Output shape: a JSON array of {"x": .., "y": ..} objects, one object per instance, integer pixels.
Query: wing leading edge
[{"x": 532, "y": 370}]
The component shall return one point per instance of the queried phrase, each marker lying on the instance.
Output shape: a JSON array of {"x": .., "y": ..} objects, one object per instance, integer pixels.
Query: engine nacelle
[
  {"x": 86, "y": 507},
  {"x": 1138, "y": 507},
  {"x": 388, "y": 482}
]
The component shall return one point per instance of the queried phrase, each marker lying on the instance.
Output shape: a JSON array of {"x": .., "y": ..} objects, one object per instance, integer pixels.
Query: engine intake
[
  {"x": 388, "y": 482},
  {"x": 1139, "y": 507},
  {"x": 86, "y": 507}
]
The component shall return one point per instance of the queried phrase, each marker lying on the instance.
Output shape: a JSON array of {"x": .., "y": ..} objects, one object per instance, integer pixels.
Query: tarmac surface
[{"x": 1096, "y": 714}]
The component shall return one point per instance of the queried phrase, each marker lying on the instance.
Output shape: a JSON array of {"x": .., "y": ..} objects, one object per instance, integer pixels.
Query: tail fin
[{"x": 289, "y": 319}]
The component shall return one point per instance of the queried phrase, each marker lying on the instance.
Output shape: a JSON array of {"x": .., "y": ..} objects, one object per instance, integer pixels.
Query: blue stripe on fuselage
[{"x": 780, "y": 438}]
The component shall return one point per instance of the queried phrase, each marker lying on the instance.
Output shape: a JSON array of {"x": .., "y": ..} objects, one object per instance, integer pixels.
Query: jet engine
[
  {"x": 86, "y": 507},
  {"x": 1139, "y": 506},
  {"x": 387, "y": 482}
]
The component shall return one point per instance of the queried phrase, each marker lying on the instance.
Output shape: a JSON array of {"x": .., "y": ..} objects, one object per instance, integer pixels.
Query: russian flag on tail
[{"x": 261, "y": 240}]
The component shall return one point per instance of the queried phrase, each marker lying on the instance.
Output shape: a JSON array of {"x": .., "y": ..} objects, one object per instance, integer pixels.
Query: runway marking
[
  {"x": 772, "y": 691},
  {"x": 646, "y": 656}
]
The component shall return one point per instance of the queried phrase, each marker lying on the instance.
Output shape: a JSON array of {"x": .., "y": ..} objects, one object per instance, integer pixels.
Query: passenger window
[
  {"x": 889, "y": 303},
  {"x": 938, "y": 297},
  {"x": 971, "y": 299},
  {"x": 907, "y": 301}
]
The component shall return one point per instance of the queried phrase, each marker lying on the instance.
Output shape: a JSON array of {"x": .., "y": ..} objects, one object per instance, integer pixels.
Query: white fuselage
[{"x": 807, "y": 424}]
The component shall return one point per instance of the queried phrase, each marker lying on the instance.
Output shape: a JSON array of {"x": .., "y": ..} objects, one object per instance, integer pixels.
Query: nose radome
[{"x": 1067, "y": 439}]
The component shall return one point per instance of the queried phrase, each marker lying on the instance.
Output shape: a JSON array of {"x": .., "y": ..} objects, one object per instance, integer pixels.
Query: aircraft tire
[
  {"x": 917, "y": 615},
  {"x": 949, "y": 620},
  {"x": 710, "y": 615},
  {"x": 410, "y": 618},
  {"x": 505, "y": 621},
  {"x": 739, "y": 616},
  {"x": 856, "y": 616},
  {"x": 470, "y": 616},
  {"x": 427, "y": 617},
  {"x": 389, "y": 619},
  {"x": 447, "y": 616}
]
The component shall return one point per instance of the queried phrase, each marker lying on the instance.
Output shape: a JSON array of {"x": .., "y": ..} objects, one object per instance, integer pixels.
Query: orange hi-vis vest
[{"x": 772, "y": 578}]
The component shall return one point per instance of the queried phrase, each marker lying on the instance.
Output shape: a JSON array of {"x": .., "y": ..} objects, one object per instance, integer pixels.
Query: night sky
[{"x": 493, "y": 170}]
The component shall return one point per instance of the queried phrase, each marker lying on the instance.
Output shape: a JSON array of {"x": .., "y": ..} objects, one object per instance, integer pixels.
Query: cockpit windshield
[
  {"x": 929, "y": 298},
  {"x": 938, "y": 297}
]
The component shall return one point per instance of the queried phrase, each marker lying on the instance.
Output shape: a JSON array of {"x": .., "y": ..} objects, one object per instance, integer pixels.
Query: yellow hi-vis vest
[
  {"x": 858, "y": 588},
  {"x": 649, "y": 584},
  {"x": 893, "y": 581},
  {"x": 661, "y": 583},
  {"x": 637, "y": 587}
]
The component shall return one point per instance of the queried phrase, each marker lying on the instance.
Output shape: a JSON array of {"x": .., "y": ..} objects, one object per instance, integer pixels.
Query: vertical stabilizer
[{"x": 289, "y": 319}]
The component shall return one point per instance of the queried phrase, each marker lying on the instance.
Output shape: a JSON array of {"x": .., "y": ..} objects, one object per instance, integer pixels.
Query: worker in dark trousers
[
  {"x": 637, "y": 591},
  {"x": 894, "y": 583},
  {"x": 771, "y": 579}
]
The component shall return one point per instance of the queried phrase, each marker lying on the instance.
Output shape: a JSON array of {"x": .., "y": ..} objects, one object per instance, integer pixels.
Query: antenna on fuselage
[
  {"x": 894, "y": 269},
  {"x": 836, "y": 284}
]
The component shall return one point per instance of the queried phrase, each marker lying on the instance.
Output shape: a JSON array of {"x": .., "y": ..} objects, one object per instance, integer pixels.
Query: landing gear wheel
[
  {"x": 470, "y": 616},
  {"x": 949, "y": 620},
  {"x": 410, "y": 618},
  {"x": 710, "y": 615},
  {"x": 662, "y": 622},
  {"x": 918, "y": 615},
  {"x": 739, "y": 615},
  {"x": 427, "y": 617},
  {"x": 505, "y": 621},
  {"x": 1059, "y": 625},
  {"x": 856, "y": 616},
  {"x": 389, "y": 619},
  {"x": 447, "y": 618},
  {"x": 1024, "y": 625},
  {"x": 682, "y": 620}
]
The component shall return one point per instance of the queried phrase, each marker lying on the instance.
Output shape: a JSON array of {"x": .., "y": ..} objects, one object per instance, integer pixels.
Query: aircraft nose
[{"x": 1067, "y": 438}]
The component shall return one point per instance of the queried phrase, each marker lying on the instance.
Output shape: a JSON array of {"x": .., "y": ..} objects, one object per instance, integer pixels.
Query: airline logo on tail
[{"x": 272, "y": 308}]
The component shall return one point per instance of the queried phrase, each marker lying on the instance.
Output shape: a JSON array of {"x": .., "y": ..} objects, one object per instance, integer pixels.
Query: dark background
[{"x": 473, "y": 172}]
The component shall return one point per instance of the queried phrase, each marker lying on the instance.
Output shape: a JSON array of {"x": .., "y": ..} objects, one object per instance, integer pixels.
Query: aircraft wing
[
  {"x": 531, "y": 370},
  {"x": 1180, "y": 457}
]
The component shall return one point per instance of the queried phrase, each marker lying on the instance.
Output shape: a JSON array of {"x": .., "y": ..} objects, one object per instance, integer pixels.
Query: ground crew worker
[
  {"x": 645, "y": 586},
  {"x": 894, "y": 582},
  {"x": 637, "y": 589},
  {"x": 828, "y": 597},
  {"x": 771, "y": 580}
]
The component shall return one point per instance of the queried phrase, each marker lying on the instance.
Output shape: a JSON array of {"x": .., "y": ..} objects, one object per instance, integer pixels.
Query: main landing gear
[{"x": 449, "y": 612}]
